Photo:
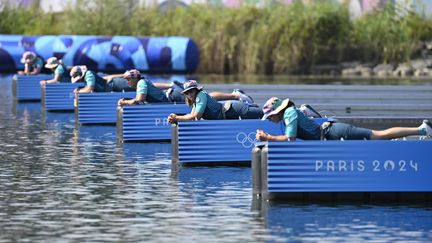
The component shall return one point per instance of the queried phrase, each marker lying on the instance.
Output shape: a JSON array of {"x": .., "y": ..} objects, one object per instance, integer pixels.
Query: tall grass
[
  {"x": 383, "y": 36},
  {"x": 276, "y": 39}
]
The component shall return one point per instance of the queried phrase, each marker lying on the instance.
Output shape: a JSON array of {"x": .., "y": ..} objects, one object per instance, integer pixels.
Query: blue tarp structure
[{"x": 104, "y": 53}]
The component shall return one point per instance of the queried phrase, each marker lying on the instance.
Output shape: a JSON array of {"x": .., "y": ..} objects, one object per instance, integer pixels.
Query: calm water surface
[{"x": 62, "y": 183}]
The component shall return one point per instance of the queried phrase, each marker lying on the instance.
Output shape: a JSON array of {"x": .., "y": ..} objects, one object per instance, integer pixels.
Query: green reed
[{"x": 276, "y": 39}]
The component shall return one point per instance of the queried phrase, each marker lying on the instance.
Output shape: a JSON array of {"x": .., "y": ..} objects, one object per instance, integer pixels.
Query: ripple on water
[{"x": 62, "y": 183}]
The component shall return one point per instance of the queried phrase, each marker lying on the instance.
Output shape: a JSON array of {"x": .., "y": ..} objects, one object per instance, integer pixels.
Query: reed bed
[{"x": 276, "y": 39}]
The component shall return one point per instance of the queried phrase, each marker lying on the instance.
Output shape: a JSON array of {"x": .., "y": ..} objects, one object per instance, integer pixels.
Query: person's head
[
  {"x": 190, "y": 90},
  {"x": 52, "y": 63},
  {"x": 77, "y": 73},
  {"x": 274, "y": 108},
  {"x": 28, "y": 57},
  {"x": 132, "y": 76}
]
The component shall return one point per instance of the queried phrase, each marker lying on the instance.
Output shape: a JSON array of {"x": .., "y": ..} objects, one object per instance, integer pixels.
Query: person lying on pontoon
[
  {"x": 32, "y": 63},
  {"x": 154, "y": 92},
  {"x": 300, "y": 126},
  {"x": 95, "y": 83},
  {"x": 147, "y": 91},
  {"x": 59, "y": 71},
  {"x": 205, "y": 105}
]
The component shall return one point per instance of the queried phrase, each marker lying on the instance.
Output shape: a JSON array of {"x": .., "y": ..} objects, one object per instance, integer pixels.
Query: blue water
[{"x": 59, "y": 182}]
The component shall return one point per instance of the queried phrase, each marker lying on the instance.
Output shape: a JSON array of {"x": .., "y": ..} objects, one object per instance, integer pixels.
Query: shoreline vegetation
[{"x": 313, "y": 39}]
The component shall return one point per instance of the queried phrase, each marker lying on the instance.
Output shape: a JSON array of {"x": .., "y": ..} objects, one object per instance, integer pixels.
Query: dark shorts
[
  {"x": 65, "y": 79},
  {"x": 119, "y": 85},
  {"x": 348, "y": 132},
  {"x": 242, "y": 110},
  {"x": 175, "y": 94}
]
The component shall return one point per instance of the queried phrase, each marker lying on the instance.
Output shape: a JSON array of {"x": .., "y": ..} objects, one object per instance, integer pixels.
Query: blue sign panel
[
  {"x": 350, "y": 166},
  {"x": 60, "y": 96},
  {"x": 220, "y": 140},
  {"x": 100, "y": 108},
  {"x": 149, "y": 122},
  {"x": 27, "y": 87}
]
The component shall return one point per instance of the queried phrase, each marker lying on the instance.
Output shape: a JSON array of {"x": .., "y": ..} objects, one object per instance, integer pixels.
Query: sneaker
[
  {"x": 169, "y": 91},
  {"x": 243, "y": 96},
  {"x": 309, "y": 111},
  {"x": 427, "y": 125}
]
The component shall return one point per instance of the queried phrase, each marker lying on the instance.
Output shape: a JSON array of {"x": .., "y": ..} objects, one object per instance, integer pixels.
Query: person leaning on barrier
[
  {"x": 93, "y": 82},
  {"x": 300, "y": 126},
  {"x": 59, "y": 71},
  {"x": 205, "y": 106},
  {"x": 116, "y": 83},
  {"x": 32, "y": 63},
  {"x": 147, "y": 91}
]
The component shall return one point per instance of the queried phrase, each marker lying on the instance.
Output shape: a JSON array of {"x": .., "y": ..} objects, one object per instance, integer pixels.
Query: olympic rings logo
[
  {"x": 389, "y": 165},
  {"x": 246, "y": 140}
]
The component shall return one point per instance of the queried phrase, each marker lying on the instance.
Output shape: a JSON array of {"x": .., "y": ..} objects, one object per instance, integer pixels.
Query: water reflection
[
  {"x": 352, "y": 223},
  {"x": 59, "y": 182},
  {"x": 221, "y": 196}
]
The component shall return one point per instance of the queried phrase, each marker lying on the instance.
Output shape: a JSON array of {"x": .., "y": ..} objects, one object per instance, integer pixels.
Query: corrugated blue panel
[
  {"x": 60, "y": 96},
  {"x": 220, "y": 140},
  {"x": 149, "y": 122},
  {"x": 349, "y": 166},
  {"x": 27, "y": 87},
  {"x": 100, "y": 108}
]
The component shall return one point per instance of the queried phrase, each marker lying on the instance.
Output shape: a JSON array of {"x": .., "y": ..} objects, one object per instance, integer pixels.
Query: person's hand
[
  {"x": 43, "y": 83},
  {"x": 172, "y": 118},
  {"x": 120, "y": 102},
  {"x": 26, "y": 69},
  {"x": 76, "y": 91},
  {"x": 261, "y": 135}
]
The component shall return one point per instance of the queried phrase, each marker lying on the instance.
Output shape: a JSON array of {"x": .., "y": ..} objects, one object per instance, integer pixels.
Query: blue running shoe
[
  {"x": 309, "y": 111},
  {"x": 427, "y": 126},
  {"x": 243, "y": 96}
]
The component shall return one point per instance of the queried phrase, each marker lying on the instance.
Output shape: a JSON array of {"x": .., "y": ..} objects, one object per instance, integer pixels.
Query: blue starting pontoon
[
  {"x": 27, "y": 87},
  {"x": 146, "y": 122},
  {"x": 219, "y": 141},
  {"x": 99, "y": 108},
  {"x": 59, "y": 96},
  {"x": 364, "y": 171},
  {"x": 211, "y": 141}
]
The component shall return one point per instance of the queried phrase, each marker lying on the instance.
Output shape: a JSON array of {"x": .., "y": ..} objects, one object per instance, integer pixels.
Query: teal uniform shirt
[
  {"x": 92, "y": 79},
  {"x": 60, "y": 70},
  {"x": 208, "y": 106},
  {"x": 153, "y": 94},
  {"x": 36, "y": 64},
  {"x": 300, "y": 126}
]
